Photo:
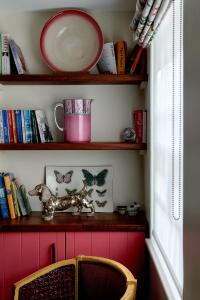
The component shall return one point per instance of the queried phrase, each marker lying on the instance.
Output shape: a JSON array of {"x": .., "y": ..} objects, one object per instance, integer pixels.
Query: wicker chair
[{"x": 81, "y": 278}]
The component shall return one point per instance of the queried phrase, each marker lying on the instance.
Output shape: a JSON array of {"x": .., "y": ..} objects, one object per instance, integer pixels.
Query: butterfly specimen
[
  {"x": 101, "y": 204},
  {"x": 66, "y": 178},
  {"x": 101, "y": 193},
  {"x": 98, "y": 179},
  {"x": 71, "y": 192}
]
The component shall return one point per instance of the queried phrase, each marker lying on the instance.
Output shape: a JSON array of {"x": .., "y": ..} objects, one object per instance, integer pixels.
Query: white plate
[{"x": 71, "y": 41}]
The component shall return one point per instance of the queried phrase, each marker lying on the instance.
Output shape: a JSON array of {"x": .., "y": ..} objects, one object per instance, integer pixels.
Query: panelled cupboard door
[
  {"x": 23, "y": 253},
  {"x": 124, "y": 247}
]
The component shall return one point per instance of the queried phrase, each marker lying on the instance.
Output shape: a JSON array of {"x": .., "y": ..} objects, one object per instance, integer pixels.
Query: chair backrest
[
  {"x": 55, "y": 282},
  {"x": 100, "y": 278}
]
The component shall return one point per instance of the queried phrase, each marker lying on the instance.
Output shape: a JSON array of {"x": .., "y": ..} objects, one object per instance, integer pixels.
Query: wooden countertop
[{"x": 68, "y": 222}]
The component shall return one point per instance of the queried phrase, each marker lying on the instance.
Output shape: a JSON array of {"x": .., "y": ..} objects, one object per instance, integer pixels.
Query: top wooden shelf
[{"x": 72, "y": 79}]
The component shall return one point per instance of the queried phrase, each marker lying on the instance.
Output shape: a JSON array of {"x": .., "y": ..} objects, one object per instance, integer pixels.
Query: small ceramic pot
[{"x": 122, "y": 209}]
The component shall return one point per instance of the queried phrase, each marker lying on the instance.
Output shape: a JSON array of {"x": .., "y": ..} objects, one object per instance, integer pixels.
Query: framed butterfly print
[{"x": 66, "y": 180}]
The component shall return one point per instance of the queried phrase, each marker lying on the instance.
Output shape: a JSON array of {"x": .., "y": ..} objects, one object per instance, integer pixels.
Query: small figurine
[
  {"x": 52, "y": 203},
  {"x": 128, "y": 135}
]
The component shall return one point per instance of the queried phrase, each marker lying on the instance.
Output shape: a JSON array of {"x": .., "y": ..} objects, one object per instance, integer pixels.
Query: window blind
[{"x": 167, "y": 141}]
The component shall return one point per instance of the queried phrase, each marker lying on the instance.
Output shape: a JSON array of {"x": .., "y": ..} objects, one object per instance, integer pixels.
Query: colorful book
[
  {"x": 1, "y": 128},
  {"x": 23, "y": 192},
  {"x": 138, "y": 125},
  {"x": 120, "y": 53},
  {"x": 18, "y": 122},
  {"x": 3, "y": 200},
  {"x": 144, "y": 126},
  {"x": 20, "y": 199},
  {"x": 9, "y": 195},
  {"x": 23, "y": 126},
  {"x": 107, "y": 61},
  {"x": 28, "y": 126},
  {"x": 14, "y": 195},
  {"x": 10, "y": 126},
  {"x": 43, "y": 126},
  {"x": 136, "y": 59},
  {"x": 5, "y": 126},
  {"x": 18, "y": 57},
  {"x": 5, "y": 52},
  {"x": 36, "y": 135},
  {"x": 14, "y": 126}
]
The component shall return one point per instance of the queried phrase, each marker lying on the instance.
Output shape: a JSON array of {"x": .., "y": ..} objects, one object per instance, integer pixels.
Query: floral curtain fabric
[{"x": 147, "y": 18}]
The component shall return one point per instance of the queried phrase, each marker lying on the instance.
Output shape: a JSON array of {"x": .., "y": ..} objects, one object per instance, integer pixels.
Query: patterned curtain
[{"x": 147, "y": 18}]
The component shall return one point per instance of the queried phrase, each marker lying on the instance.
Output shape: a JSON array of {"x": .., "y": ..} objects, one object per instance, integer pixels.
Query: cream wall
[{"x": 111, "y": 111}]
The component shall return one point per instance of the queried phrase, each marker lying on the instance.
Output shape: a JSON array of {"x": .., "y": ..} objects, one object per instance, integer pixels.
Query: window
[{"x": 167, "y": 143}]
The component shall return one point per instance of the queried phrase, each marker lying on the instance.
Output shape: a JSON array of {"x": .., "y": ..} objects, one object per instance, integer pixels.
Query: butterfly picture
[
  {"x": 101, "y": 204},
  {"x": 90, "y": 192},
  {"x": 98, "y": 179},
  {"x": 71, "y": 192},
  {"x": 101, "y": 193},
  {"x": 66, "y": 178}
]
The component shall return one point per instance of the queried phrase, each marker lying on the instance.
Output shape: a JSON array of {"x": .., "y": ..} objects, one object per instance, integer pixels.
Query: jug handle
[{"x": 55, "y": 110}]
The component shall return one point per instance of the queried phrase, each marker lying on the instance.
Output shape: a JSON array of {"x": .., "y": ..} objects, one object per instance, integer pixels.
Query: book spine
[
  {"x": 5, "y": 54},
  {"x": 5, "y": 126},
  {"x": 15, "y": 200},
  {"x": 23, "y": 126},
  {"x": 18, "y": 122},
  {"x": 144, "y": 127},
  {"x": 16, "y": 58},
  {"x": 3, "y": 201},
  {"x": 22, "y": 189},
  {"x": 120, "y": 50},
  {"x": 44, "y": 131},
  {"x": 14, "y": 126},
  {"x": 1, "y": 128},
  {"x": 10, "y": 126},
  {"x": 28, "y": 126},
  {"x": 136, "y": 60},
  {"x": 9, "y": 196},
  {"x": 20, "y": 199},
  {"x": 138, "y": 120},
  {"x": 0, "y": 54},
  {"x": 34, "y": 127}
]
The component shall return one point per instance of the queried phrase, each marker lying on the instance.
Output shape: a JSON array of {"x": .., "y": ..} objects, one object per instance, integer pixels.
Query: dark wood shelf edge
[
  {"x": 72, "y": 79},
  {"x": 68, "y": 222},
  {"x": 75, "y": 146}
]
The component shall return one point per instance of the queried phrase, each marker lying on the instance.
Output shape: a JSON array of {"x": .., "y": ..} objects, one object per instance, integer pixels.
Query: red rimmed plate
[{"x": 71, "y": 41}]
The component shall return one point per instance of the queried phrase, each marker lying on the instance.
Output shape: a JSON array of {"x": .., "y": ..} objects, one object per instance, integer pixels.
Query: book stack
[
  {"x": 14, "y": 201},
  {"x": 114, "y": 59},
  {"x": 24, "y": 126},
  {"x": 11, "y": 57},
  {"x": 140, "y": 125}
]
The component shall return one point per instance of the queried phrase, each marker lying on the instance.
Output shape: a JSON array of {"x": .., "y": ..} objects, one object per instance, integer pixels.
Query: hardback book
[
  {"x": 10, "y": 126},
  {"x": 0, "y": 55},
  {"x": 144, "y": 126},
  {"x": 14, "y": 195},
  {"x": 3, "y": 200},
  {"x": 20, "y": 199},
  {"x": 136, "y": 59},
  {"x": 23, "y": 126},
  {"x": 120, "y": 53},
  {"x": 5, "y": 52},
  {"x": 1, "y": 128},
  {"x": 23, "y": 192},
  {"x": 9, "y": 195},
  {"x": 36, "y": 134},
  {"x": 18, "y": 122},
  {"x": 28, "y": 126},
  {"x": 138, "y": 125},
  {"x": 14, "y": 126},
  {"x": 43, "y": 126},
  {"x": 107, "y": 61},
  {"x": 5, "y": 126},
  {"x": 18, "y": 57}
]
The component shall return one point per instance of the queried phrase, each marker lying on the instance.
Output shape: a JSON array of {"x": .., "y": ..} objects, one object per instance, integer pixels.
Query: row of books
[
  {"x": 11, "y": 57},
  {"x": 140, "y": 125},
  {"x": 14, "y": 201},
  {"x": 24, "y": 126},
  {"x": 114, "y": 59}
]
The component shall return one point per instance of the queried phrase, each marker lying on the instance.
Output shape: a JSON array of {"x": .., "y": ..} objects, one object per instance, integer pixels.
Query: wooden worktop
[{"x": 68, "y": 222}]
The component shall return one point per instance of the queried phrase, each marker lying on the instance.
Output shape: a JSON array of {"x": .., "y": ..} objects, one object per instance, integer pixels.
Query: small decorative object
[
  {"x": 99, "y": 180},
  {"x": 133, "y": 209},
  {"x": 122, "y": 209},
  {"x": 128, "y": 135},
  {"x": 52, "y": 203}
]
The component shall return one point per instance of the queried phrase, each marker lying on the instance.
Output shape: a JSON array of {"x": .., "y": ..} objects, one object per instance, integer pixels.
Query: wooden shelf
[
  {"x": 72, "y": 78},
  {"x": 75, "y": 146},
  {"x": 67, "y": 222}
]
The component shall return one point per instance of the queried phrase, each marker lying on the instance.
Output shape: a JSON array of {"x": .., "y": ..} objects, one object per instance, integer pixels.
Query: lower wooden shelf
[
  {"x": 75, "y": 146},
  {"x": 67, "y": 222}
]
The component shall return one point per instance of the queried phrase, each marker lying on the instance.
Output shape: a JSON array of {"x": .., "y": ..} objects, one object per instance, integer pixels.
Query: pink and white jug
[{"x": 77, "y": 120}]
